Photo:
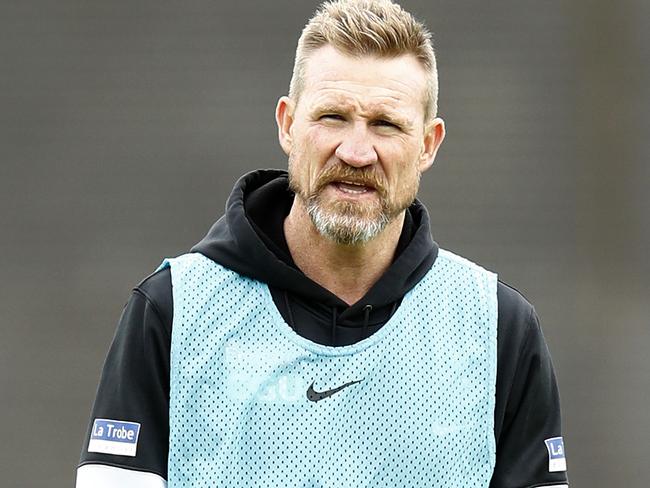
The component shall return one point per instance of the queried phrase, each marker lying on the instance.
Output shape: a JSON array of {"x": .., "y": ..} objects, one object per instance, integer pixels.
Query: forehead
[{"x": 393, "y": 83}]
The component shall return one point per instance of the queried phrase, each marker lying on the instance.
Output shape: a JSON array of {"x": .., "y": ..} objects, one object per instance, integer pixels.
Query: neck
[{"x": 348, "y": 271}]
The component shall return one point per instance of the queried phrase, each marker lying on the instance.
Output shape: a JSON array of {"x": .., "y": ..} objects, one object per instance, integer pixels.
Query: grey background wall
[{"x": 123, "y": 126}]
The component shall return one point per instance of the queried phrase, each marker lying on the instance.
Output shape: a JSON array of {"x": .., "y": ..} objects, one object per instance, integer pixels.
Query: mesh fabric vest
[{"x": 253, "y": 404}]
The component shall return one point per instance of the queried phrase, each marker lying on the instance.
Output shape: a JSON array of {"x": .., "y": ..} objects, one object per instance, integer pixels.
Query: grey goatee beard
[{"x": 345, "y": 225}]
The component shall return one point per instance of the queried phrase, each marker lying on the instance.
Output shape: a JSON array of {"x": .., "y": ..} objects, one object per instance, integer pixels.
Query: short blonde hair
[{"x": 364, "y": 28}]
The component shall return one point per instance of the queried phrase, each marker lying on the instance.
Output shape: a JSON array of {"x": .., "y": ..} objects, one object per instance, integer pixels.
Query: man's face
[{"x": 357, "y": 141}]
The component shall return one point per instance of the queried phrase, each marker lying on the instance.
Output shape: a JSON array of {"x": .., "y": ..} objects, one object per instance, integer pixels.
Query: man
[{"x": 317, "y": 336}]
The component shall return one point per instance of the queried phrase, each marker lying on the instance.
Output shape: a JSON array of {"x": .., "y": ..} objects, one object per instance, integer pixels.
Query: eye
[
  {"x": 385, "y": 123},
  {"x": 331, "y": 117}
]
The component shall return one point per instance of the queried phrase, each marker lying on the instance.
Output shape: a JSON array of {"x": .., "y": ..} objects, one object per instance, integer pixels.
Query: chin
[{"x": 347, "y": 224}]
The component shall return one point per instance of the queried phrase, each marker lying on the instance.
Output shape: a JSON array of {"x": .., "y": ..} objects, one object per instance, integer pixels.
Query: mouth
[{"x": 352, "y": 187}]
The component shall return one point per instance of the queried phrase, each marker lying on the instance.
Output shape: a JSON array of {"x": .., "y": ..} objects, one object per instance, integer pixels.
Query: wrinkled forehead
[{"x": 390, "y": 80}]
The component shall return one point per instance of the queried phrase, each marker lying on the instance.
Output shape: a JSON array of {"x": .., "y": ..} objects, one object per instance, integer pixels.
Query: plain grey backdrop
[{"x": 123, "y": 126}]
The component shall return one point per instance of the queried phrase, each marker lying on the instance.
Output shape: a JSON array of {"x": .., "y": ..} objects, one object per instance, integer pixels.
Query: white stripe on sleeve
[{"x": 102, "y": 476}]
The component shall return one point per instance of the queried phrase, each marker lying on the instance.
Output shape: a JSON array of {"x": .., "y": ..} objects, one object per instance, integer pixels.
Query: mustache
[{"x": 362, "y": 176}]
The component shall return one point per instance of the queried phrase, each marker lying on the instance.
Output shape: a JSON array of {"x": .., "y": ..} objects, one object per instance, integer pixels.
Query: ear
[
  {"x": 434, "y": 134},
  {"x": 284, "y": 119}
]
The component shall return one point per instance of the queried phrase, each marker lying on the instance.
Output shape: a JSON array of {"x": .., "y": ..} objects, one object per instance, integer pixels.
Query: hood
[{"x": 249, "y": 239}]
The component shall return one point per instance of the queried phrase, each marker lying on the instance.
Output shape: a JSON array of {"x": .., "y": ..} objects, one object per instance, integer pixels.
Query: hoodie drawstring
[
  {"x": 334, "y": 325},
  {"x": 366, "y": 317}
]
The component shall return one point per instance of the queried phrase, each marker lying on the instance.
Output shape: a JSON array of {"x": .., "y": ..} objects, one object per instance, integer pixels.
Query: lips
[{"x": 352, "y": 188}]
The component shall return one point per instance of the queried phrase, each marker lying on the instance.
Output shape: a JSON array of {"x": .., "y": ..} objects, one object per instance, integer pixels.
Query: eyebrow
[{"x": 332, "y": 107}]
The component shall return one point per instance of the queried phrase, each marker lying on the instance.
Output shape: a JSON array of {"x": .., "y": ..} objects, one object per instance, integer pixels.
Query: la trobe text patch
[{"x": 114, "y": 437}]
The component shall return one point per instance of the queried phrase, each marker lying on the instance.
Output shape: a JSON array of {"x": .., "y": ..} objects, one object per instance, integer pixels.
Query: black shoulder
[
  {"x": 514, "y": 308},
  {"x": 157, "y": 289},
  {"x": 516, "y": 317}
]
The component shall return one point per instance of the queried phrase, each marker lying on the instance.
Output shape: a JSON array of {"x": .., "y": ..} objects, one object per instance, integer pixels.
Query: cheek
[
  {"x": 307, "y": 155},
  {"x": 400, "y": 160},
  {"x": 321, "y": 140},
  {"x": 319, "y": 147}
]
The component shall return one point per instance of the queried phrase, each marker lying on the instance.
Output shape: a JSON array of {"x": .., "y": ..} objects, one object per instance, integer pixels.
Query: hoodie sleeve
[
  {"x": 128, "y": 433},
  {"x": 530, "y": 450}
]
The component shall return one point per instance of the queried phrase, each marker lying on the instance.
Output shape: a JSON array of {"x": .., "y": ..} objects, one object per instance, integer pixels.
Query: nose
[{"x": 356, "y": 148}]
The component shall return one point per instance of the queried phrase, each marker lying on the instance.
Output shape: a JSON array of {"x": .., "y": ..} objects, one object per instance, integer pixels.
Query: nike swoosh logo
[{"x": 317, "y": 396}]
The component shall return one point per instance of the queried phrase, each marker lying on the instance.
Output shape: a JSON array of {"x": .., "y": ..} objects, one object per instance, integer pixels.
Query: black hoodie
[{"x": 249, "y": 239}]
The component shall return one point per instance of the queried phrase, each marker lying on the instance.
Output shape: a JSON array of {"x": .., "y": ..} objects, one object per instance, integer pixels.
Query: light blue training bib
[{"x": 253, "y": 404}]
